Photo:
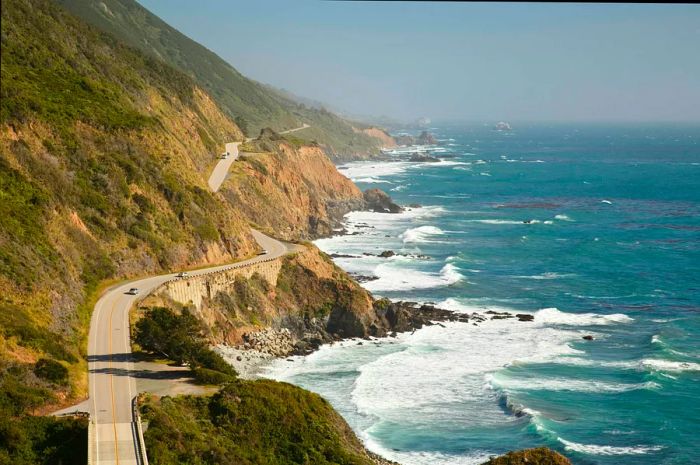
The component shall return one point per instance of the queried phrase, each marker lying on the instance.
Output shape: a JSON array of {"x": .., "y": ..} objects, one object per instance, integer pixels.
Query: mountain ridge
[{"x": 252, "y": 104}]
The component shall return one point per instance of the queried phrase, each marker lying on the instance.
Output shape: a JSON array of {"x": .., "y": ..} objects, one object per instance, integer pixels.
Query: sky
[{"x": 461, "y": 61}]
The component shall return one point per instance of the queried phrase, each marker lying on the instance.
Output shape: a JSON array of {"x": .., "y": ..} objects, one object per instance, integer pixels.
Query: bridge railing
[
  {"x": 141, "y": 456},
  {"x": 223, "y": 270}
]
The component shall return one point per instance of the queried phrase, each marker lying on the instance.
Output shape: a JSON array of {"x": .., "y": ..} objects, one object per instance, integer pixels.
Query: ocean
[{"x": 593, "y": 229}]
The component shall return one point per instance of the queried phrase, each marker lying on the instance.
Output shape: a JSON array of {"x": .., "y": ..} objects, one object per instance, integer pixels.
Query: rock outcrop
[
  {"x": 379, "y": 201},
  {"x": 292, "y": 192},
  {"x": 425, "y": 138},
  {"x": 423, "y": 158},
  {"x": 538, "y": 456}
]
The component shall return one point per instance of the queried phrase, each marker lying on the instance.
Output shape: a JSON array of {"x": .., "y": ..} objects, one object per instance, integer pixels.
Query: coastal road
[
  {"x": 221, "y": 169},
  {"x": 114, "y": 438},
  {"x": 304, "y": 126}
]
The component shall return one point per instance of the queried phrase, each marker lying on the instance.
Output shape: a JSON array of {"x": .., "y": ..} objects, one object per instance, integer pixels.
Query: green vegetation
[
  {"x": 538, "y": 456},
  {"x": 251, "y": 104},
  {"x": 249, "y": 423},
  {"x": 36, "y": 440},
  {"x": 97, "y": 183},
  {"x": 43, "y": 441},
  {"x": 51, "y": 371},
  {"x": 179, "y": 338}
]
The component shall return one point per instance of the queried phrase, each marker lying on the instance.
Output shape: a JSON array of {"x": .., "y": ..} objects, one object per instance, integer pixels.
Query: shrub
[{"x": 51, "y": 370}]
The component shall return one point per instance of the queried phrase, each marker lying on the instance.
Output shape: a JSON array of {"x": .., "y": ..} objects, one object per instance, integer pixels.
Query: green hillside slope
[
  {"x": 103, "y": 157},
  {"x": 239, "y": 96}
]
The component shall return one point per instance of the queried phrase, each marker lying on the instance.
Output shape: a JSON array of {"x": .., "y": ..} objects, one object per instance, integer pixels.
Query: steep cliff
[
  {"x": 309, "y": 296},
  {"x": 295, "y": 192},
  {"x": 380, "y": 134},
  {"x": 253, "y": 423},
  {"x": 251, "y": 103},
  {"x": 103, "y": 160}
]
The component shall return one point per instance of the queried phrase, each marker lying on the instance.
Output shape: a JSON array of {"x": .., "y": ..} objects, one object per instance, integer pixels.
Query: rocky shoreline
[{"x": 260, "y": 348}]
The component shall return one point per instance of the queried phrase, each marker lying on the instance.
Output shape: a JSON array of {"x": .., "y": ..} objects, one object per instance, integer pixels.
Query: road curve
[
  {"x": 114, "y": 438},
  {"x": 218, "y": 175},
  {"x": 221, "y": 169},
  {"x": 303, "y": 126}
]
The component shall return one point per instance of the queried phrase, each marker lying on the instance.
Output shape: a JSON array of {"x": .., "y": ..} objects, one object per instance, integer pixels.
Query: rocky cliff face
[
  {"x": 292, "y": 192},
  {"x": 380, "y": 134},
  {"x": 313, "y": 300}
]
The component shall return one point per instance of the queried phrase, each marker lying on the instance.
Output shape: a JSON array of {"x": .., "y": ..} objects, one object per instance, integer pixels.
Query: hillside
[
  {"x": 250, "y": 103},
  {"x": 251, "y": 423},
  {"x": 102, "y": 175}
]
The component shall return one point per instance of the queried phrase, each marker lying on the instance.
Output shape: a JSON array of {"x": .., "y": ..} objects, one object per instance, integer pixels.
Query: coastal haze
[
  {"x": 458, "y": 233},
  {"x": 463, "y": 61}
]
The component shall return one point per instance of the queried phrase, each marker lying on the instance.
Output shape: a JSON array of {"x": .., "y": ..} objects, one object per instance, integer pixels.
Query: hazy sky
[{"x": 467, "y": 61}]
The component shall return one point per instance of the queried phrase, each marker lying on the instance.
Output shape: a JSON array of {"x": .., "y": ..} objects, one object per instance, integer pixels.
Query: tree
[{"x": 179, "y": 338}]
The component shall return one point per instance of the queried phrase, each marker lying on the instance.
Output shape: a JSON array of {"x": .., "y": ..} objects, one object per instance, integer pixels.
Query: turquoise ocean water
[{"x": 593, "y": 229}]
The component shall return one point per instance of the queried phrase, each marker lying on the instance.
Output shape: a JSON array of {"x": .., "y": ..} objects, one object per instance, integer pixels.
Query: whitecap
[
  {"x": 669, "y": 365},
  {"x": 562, "y": 218},
  {"x": 557, "y": 317},
  {"x": 566, "y": 384},
  {"x": 371, "y": 180},
  {"x": 421, "y": 234},
  {"x": 397, "y": 278},
  {"x": 548, "y": 275},
  {"x": 495, "y": 221},
  {"x": 594, "y": 449},
  {"x": 606, "y": 201}
]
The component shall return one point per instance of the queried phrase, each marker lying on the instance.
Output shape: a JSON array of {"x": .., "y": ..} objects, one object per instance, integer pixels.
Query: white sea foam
[
  {"x": 358, "y": 170},
  {"x": 562, "y": 218},
  {"x": 371, "y": 180},
  {"x": 669, "y": 365},
  {"x": 606, "y": 201},
  {"x": 495, "y": 221},
  {"x": 421, "y": 234},
  {"x": 438, "y": 372},
  {"x": 424, "y": 457},
  {"x": 399, "y": 278},
  {"x": 548, "y": 275},
  {"x": 554, "y": 316},
  {"x": 594, "y": 449},
  {"x": 566, "y": 384}
]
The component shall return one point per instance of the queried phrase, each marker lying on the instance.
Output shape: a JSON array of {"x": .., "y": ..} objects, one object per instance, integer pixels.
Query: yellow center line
[{"x": 111, "y": 385}]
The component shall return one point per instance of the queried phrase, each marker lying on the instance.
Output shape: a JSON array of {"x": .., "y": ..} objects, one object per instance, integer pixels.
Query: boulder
[{"x": 379, "y": 201}]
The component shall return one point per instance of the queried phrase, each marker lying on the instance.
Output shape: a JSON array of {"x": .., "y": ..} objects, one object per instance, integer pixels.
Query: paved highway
[
  {"x": 112, "y": 384},
  {"x": 220, "y": 171},
  {"x": 304, "y": 126},
  {"x": 114, "y": 438}
]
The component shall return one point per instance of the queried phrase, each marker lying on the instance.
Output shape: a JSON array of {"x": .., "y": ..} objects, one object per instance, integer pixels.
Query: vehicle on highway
[
  {"x": 224, "y": 155},
  {"x": 133, "y": 291},
  {"x": 182, "y": 274},
  {"x": 262, "y": 252}
]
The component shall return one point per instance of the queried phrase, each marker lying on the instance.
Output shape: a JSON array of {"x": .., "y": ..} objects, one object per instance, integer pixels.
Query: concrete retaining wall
[{"x": 194, "y": 289}]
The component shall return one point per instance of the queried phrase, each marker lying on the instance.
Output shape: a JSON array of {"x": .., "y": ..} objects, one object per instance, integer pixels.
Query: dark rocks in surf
[
  {"x": 423, "y": 158},
  {"x": 588, "y": 337},
  {"x": 377, "y": 200},
  {"x": 525, "y": 317},
  {"x": 387, "y": 254}
]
